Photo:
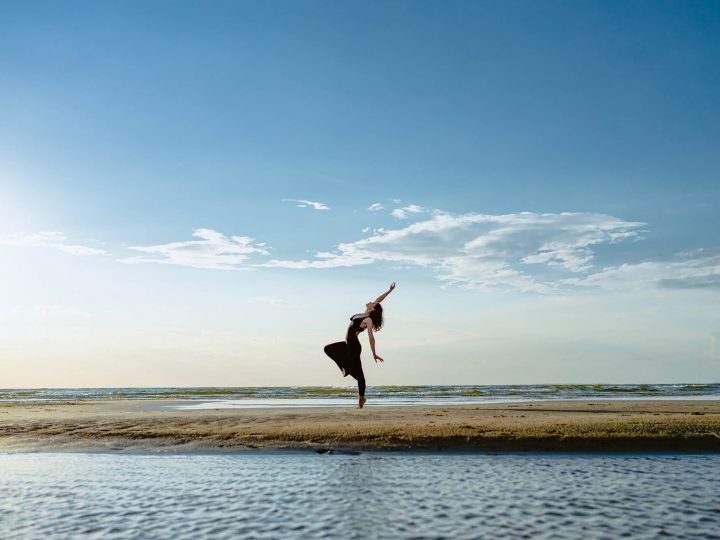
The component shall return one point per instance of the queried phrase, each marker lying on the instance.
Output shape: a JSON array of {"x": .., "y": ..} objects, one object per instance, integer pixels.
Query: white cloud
[
  {"x": 403, "y": 213},
  {"x": 486, "y": 251},
  {"x": 327, "y": 260},
  {"x": 50, "y": 239},
  {"x": 302, "y": 203},
  {"x": 375, "y": 207},
  {"x": 212, "y": 250},
  {"x": 698, "y": 269}
]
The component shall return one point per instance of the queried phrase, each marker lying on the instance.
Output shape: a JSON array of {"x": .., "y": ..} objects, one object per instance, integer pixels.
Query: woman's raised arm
[{"x": 384, "y": 295}]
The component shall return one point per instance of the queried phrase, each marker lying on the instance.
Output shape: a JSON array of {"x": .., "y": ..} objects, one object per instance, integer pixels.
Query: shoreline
[{"x": 587, "y": 426}]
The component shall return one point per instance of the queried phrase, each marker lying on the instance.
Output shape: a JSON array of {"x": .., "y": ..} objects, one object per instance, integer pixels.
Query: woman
[{"x": 346, "y": 354}]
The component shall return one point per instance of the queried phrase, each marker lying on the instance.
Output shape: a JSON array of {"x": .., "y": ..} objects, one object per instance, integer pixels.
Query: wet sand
[{"x": 563, "y": 426}]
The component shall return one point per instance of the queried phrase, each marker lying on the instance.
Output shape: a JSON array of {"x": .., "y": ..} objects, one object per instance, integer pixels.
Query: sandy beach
[{"x": 588, "y": 426}]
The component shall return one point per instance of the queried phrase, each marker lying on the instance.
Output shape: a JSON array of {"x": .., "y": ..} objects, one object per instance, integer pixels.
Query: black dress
[{"x": 346, "y": 354}]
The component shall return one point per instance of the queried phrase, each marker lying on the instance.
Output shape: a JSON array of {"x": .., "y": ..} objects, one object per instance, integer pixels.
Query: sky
[{"x": 202, "y": 193}]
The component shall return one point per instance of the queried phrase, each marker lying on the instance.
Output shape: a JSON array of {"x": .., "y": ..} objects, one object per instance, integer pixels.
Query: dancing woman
[{"x": 346, "y": 354}]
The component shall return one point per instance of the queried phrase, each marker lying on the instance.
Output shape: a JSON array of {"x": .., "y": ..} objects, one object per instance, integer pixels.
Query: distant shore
[{"x": 556, "y": 426}]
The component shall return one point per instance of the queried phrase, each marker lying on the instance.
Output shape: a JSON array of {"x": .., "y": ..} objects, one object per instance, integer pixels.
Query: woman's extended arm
[
  {"x": 384, "y": 295},
  {"x": 371, "y": 337}
]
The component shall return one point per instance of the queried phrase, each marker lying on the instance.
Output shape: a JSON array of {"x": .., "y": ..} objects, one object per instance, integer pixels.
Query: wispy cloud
[
  {"x": 375, "y": 207},
  {"x": 699, "y": 269},
  {"x": 213, "y": 250},
  {"x": 49, "y": 239},
  {"x": 404, "y": 212},
  {"x": 486, "y": 251},
  {"x": 302, "y": 203}
]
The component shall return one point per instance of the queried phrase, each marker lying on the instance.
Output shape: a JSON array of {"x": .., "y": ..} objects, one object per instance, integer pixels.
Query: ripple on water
[{"x": 341, "y": 496}]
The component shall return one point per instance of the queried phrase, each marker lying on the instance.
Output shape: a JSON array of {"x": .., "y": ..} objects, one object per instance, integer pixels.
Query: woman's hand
[
  {"x": 376, "y": 357},
  {"x": 384, "y": 295}
]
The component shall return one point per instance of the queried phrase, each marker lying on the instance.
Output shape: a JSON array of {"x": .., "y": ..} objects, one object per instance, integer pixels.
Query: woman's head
[{"x": 376, "y": 315}]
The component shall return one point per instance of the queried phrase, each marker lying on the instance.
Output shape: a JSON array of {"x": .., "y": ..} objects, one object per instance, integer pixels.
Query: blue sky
[{"x": 547, "y": 172}]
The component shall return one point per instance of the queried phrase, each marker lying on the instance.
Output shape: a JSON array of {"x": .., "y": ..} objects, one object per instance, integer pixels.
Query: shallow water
[
  {"x": 388, "y": 401},
  {"x": 300, "y": 495}
]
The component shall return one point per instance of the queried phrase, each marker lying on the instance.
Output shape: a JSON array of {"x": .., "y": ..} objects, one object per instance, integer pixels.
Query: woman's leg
[
  {"x": 359, "y": 376},
  {"x": 354, "y": 349},
  {"x": 339, "y": 353},
  {"x": 361, "y": 384},
  {"x": 361, "y": 389}
]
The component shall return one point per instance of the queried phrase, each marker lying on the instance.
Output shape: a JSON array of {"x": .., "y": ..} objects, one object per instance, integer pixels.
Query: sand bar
[{"x": 569, "y": 426}]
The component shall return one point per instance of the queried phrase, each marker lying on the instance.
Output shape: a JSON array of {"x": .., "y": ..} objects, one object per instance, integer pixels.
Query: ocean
[{"x": 323, "y": 396}]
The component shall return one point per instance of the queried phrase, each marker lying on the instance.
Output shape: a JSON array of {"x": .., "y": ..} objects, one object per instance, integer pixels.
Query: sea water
[
  {"x": 323, "y": 396},
  {"x": 373, "y": 495}
]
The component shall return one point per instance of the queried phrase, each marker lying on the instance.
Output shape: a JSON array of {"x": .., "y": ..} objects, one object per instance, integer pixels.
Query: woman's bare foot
[{"x": 361, "y": 401}]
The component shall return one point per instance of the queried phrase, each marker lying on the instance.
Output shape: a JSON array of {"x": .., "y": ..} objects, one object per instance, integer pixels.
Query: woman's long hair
[{"x": 376, "y": 316}]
